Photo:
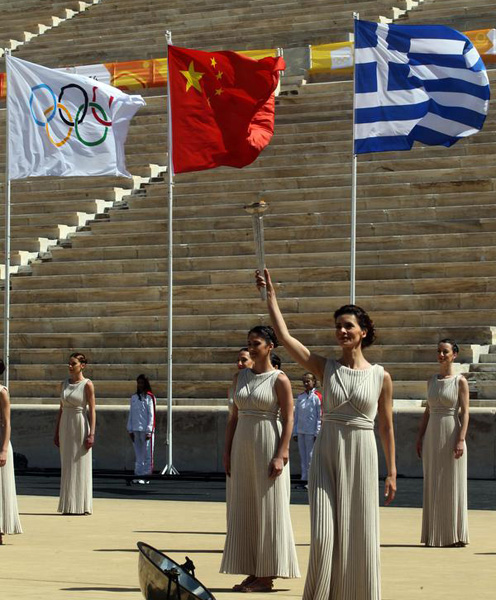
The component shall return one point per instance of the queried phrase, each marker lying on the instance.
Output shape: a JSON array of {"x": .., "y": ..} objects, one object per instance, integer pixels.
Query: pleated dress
[
  {"x": 259, "y": 537},
  {"x": 9, "y": 514},
  {"x": 76, "y": 494},
  {"x": 343, "y": 489},
  {"x": 444, "y": 515}
]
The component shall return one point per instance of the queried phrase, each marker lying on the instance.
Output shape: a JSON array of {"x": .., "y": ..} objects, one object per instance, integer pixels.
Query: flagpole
[
  {"x": 354, "y": 161},
  {"x": 169, "y": 469},
  {"x": 6, "y": 301}
]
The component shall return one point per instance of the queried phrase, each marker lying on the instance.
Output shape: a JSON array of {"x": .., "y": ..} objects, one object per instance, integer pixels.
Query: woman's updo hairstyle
[
  {"x": 80, "y": 357},
  {"x": 363, "y": 319},
  {"x": 266, "y": 332},
  {"x": 454, "y": 345}
]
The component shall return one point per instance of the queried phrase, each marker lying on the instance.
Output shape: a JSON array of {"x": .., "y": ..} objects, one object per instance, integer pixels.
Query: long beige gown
[
  {"x": 444, "y": 515},
  {"x": 9, "y": 514},
  {"x": 343, "y": 488},
  {"x": 76, "y": 494},
  {"x": 259, "y": 533}
]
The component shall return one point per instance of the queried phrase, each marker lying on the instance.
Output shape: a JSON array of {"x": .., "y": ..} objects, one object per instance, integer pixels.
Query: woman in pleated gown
[
  {"x": 9, "y": 514},
  {"x": 343, "y": 480},
  {"x": 441, "y": 445},
  {"x": 259, "y": 541},
  {"x": 75, "y": 436}
]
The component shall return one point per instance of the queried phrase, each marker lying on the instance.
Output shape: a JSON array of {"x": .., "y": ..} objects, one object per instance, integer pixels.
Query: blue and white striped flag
[{"x": 424, "y": 83}]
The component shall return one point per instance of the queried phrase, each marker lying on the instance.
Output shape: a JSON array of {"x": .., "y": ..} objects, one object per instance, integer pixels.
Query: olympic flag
[{"x": 61, "y": 124}]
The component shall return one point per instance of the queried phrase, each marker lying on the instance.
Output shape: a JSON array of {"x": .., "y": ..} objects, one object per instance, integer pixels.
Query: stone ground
[{"x": 95, "y": 558}]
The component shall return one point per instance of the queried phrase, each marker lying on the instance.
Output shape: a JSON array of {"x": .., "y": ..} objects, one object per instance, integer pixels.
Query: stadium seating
[{"x": 426, "y": 262}]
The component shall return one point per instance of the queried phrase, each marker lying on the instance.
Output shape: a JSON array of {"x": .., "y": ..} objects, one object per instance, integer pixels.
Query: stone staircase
[
  {"x": 426, "y": 260},
  {"x": 25, "y": 20},
  {"x": 96, "y": 36}
]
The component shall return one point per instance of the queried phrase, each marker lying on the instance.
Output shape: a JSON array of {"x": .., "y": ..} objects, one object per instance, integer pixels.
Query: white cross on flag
[{"x": 424, "y": 83}]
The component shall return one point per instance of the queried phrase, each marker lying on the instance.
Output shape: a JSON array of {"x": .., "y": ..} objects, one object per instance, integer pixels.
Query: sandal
[
  {"x": 239, "y": 586},
  {"x": 259, "y": 585}
]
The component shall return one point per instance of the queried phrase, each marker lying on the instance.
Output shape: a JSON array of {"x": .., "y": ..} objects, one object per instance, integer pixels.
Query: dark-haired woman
[
  {"x": 441, "y": 444},
  {"x": 9, "y": 514},
  {"x": 244, "y": 359},
  {"x": 344, "y": 504},
  {"x": 259, "y": 540},
  {"x": 141, "y": 428},
  {"x": 75, "y": 436}
]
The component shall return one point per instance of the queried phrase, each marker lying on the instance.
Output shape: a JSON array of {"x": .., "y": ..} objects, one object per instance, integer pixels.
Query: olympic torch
[{"x": 256, "y": 210}]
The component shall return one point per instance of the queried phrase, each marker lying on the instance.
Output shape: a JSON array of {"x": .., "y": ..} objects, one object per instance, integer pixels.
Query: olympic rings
[
  {"x": 63, "y": 112},
  {"x": 85, "y": 142},
  {"x": 58, "y": 144},
  {"x": 85, "y": 95},
  {"x": 31, "y": 98}
]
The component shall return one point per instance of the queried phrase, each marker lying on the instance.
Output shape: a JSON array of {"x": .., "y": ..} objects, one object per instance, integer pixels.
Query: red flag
[{"x": 222, "y": 107}]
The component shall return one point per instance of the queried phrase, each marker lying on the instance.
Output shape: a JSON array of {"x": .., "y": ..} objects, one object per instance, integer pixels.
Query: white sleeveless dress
[
  {"x": 259, "y": 533},
  {"x": 76, "y": 494},
  {"x": 343, "y": 489},
  {"x": 444, "y": 515},
  {"x": 9, "y": 514}
]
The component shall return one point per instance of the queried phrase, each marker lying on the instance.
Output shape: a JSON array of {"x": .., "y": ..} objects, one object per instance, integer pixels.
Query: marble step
[{"x": 187, "y": 338}]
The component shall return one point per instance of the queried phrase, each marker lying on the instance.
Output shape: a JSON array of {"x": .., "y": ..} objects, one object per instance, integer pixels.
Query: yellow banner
[
  {"x": 258, "y": 54},
  {"x": 337, "y": 58}
]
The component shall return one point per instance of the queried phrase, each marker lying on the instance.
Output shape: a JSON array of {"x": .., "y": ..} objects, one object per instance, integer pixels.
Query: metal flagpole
[
  {"x": 356, "y": 16},
  {"x": 169, "y": 469},
  {"x": 6, "y": 301}
]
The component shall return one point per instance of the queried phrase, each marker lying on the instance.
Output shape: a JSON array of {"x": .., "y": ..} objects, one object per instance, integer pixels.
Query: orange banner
[
  {"x": 484, "y": 41},
  {"x": 140, "y": 74}
]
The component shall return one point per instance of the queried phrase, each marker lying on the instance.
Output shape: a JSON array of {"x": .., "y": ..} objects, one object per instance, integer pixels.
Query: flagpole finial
[{"x": 168, "y": 36}]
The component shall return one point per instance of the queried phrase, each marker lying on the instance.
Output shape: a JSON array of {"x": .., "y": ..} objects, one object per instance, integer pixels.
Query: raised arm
[
  {"x": 89, "y": 390},
  {"x": 298, "y": 351},
  {"x": 463, "y": 397},
  {"x": 286, "y": 406},
  {"x": 386, "y": 433},
  {"x": 4, "y": 426}
]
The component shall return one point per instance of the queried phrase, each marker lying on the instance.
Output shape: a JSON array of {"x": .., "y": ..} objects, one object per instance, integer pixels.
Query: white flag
[{"x": 65, "y": 125}]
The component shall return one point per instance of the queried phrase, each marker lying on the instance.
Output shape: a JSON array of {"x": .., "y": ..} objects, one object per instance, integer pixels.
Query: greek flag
[{"x": 424, "y": 83}]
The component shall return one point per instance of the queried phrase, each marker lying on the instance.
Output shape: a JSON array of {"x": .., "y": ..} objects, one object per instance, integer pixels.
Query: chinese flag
[{"x": 222, "y": 107}]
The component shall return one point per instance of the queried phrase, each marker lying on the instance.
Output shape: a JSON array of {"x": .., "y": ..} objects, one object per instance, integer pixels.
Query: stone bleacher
[
  {"x": 96, "y": 36},
  {"x": 426, "y": 262},
  {"x": 24, "y": 20}
]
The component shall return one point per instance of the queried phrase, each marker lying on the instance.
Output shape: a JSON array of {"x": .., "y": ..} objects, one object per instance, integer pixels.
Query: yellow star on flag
[
  {"x": 213, "y": 62},
  {"x": 219, "y": 75},
  {"x": 192, "y": 77},
  {"x": 218, "y": 91}
]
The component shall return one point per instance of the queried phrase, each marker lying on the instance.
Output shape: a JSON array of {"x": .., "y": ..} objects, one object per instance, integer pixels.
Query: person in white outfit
[
  {"x": 9, "y": 514},
  {"x": 141, "y": 427},
  {"x": 307, "y": 422}
]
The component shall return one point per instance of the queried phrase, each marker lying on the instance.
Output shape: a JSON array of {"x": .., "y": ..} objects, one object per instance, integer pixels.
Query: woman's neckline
[
  {"x": 75, "y": 382},
  {"x": 263, "y": 372},
  {"x": 351, "y": 369},
  {"x": 445, "y": 377}
]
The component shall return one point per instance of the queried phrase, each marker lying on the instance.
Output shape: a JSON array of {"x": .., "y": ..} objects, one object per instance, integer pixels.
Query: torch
[{"x": 256, "y": 210}]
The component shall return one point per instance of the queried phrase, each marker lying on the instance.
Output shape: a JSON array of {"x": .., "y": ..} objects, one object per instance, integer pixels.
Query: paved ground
[{"x": 95, "y": 558}]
